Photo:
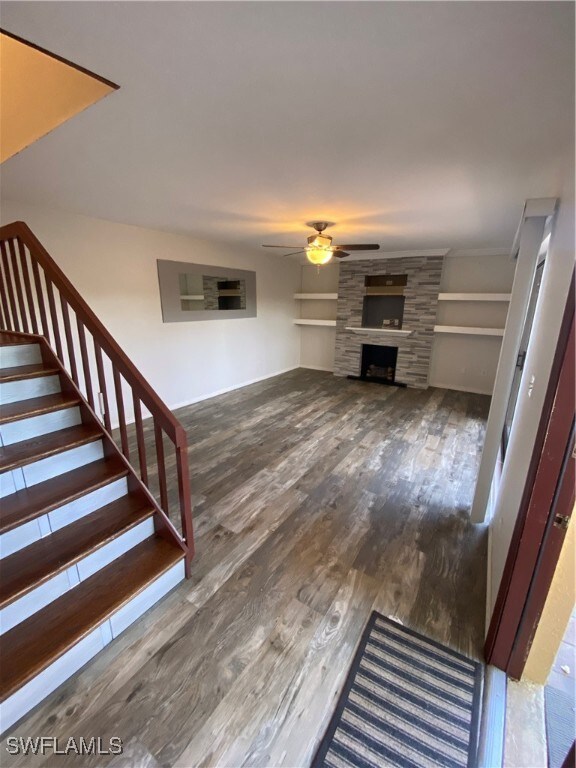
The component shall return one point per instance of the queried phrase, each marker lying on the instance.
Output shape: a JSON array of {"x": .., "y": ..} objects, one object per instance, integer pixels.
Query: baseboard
[
  {"x": 316, "y": 368},
  {"x": 184, "y": 403},
  {"x": 173, "y": 407},
  {"x": 473, "y": 391}
]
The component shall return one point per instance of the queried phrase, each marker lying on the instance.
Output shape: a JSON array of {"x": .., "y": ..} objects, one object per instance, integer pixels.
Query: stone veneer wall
[
  {"x": 210, "y": 289},
  {"x": 421, "y": 299}
]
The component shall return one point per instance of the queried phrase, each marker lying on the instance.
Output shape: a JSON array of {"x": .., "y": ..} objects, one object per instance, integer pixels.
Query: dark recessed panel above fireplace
[
  {"x": 385, "y": 281},
  {"x": 383, "y": 311}
]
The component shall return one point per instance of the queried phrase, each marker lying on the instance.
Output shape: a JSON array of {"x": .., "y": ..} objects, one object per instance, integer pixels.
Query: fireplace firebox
[{"x": 379, "y": 363}]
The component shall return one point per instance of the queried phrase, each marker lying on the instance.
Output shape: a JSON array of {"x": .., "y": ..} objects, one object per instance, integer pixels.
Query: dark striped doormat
[{"x": 408, "y": 701}]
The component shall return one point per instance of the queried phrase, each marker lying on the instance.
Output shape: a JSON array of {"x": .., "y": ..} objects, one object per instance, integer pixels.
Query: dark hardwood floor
[{"x": 317, "y": 499}]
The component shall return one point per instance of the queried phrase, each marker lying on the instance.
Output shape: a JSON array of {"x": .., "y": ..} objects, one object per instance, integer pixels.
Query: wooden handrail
[
  {"x": 29, "y": 306},
  {"x": 22, "y": 231}
]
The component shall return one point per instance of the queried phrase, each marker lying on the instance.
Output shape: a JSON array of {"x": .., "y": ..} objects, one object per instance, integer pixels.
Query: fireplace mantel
[{"x": 387, "y": 331}]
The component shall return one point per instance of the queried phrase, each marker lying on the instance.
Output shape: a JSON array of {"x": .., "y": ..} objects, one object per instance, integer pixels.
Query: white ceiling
[{"x": 416, "y": 125}]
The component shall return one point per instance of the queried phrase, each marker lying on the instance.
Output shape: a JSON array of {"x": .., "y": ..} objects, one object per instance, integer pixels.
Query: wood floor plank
[
  {"x": 307, "y": 708},
  {"x": 259, "y": 689},
  {"x": 240, "y": 548}
]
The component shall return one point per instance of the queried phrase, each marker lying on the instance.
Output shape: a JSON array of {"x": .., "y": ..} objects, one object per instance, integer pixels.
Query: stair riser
[
  {"x": 44, "y": 469},
  {"x": 31, "y": 694},
  {"x": 26, "y": 534},
  {"x": 14, "y": 391},
  {"x": 19, "y": 354},
  {"x": 35, "y": 426},
  {"x": 10, "y": 482},
  {"x": 50, "y": 590},
  {"x": 74, "y": 510}
]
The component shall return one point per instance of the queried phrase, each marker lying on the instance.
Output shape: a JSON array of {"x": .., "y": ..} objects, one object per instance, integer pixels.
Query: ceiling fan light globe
[{"x": 318, "y": 256}]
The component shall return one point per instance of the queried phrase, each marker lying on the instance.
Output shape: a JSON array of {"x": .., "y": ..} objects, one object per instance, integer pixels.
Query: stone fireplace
[{"x": 389, "y": 303}]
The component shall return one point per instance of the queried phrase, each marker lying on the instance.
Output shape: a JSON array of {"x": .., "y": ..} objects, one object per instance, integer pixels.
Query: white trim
[
  {"x": 316, "y": 296},
  {"x": 468, "y": 330},
  {"x": 173, "y": 407},
  {"x": 537, "y": 206},
  {"x": 327, "y": 323},
  {"x": 540, "y": 207},
  {"x": 478, "y": 252},
  {"x": 316, "y": 368},
  {"x": 458, "y": 388},
  {"x": 379, "y": 256},
  {"x": 474, "y": 296},
  {"x": 228, "y": 389}
]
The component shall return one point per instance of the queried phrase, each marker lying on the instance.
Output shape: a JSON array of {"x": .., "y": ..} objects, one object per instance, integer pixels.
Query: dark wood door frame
[
  {"x": 548, "y": 494},
  {"x": 554, "y": 535}
]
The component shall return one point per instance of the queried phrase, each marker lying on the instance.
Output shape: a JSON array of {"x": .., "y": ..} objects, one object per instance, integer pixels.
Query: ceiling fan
[{"x": 320, "y": 249}]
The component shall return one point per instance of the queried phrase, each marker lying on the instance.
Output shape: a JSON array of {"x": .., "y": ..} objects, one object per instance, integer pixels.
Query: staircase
[{"x": 85, "y": 546}]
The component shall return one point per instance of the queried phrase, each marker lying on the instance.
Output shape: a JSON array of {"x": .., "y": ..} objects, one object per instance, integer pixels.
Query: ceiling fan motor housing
[{"x": 319, "y": 241}]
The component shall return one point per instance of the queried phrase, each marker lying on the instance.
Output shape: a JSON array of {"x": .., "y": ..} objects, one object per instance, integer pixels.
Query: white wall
[
  {"x": 540, "y": 354},
  {"x": 317, "y": 343},
  {"x": 463, "y": 362},
  {"x": 113, "y": 266}
]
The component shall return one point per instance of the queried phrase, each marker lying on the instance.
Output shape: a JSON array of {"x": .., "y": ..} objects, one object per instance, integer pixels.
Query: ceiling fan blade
[
  {"x": 360, "y": 247},
  {"x": 293, "y": 253},
  {"x": 340, "y": 254},
  {"x": 280, "y": 246}
]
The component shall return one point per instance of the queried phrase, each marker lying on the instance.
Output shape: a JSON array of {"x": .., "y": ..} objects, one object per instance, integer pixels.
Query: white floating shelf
[
  {"x": 469, "y": 331},
  {"x": 331, "y": 323},
  {"x": 474, "y": 297},
  {"x": 393, "y": 331},
  {"x": 316, "y": 296},
  {"x": 192, "y": 297}
]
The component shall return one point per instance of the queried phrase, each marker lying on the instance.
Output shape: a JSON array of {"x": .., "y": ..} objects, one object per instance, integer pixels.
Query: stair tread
[
  {"x": 40, "y": 640},
  {"x": 28, "y": 451},
  {"x": 36, "y": 406},
  {"x": 29, "y": 567},
  {"x": 18, "y": 372},
  {"x": 10, "y": 339},
  {"x": 25, "y": 505}
]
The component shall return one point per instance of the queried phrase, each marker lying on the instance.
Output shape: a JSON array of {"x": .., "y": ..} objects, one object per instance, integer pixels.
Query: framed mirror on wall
[{"x": 202, "y": 292}]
